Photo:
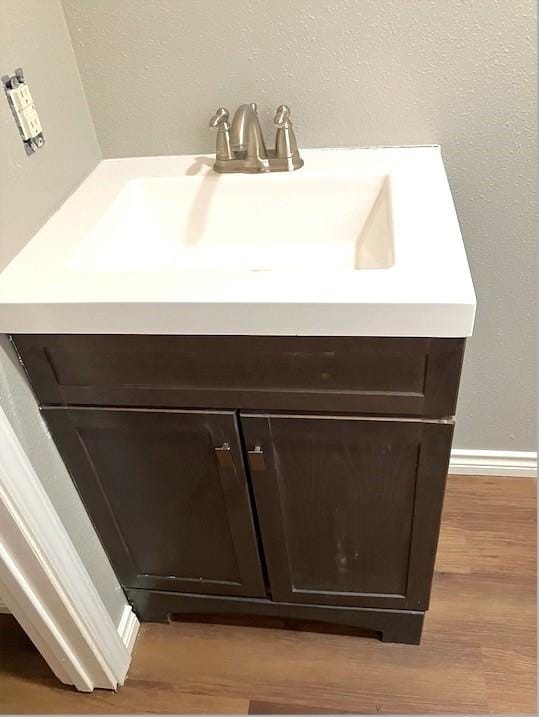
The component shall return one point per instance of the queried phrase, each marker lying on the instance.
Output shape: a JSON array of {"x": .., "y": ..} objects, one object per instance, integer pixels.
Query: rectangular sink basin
[
  {"x": 267, "y": 222},
  {"x": 359, "y": 242}
]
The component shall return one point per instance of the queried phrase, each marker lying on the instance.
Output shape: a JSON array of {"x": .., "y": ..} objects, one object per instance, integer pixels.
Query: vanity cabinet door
[
  {"x": 168, "y": 495},
  {"x": 349, "y": 508}
]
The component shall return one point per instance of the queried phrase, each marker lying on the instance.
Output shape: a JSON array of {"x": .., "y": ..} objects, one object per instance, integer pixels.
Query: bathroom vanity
[
  {"x": 299, "y": 477},
  {"x": 269, "y": 435}
]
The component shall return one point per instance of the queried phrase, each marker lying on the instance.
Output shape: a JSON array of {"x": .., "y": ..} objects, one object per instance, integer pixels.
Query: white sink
[
  {"x": 361, "y": 242},
  {"x": 267, "y": 222}
]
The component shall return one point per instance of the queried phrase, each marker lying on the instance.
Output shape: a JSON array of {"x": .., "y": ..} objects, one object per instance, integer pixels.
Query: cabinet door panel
[
  {"x": 338, "y": 502},
  {"x": 172, "y": 512}
]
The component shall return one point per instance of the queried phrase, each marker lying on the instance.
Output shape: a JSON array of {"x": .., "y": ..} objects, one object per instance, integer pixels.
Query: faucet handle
[
  {"x": 282, "y": 115},
  {"x": 220, "y": 122},
  {"x": 286, "y": 147},
  {"x": 220, "y": 118}
]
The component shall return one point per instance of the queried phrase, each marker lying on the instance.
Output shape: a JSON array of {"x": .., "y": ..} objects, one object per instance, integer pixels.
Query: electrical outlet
[{"x": 24, "y": 111}]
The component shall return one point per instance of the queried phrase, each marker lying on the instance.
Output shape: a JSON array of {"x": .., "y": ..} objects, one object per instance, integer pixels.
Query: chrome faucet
[{"x": 240, "y": 146}]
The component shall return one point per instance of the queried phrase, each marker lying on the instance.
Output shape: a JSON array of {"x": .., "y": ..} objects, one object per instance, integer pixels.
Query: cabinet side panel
[{"x": 442, "y": 380}]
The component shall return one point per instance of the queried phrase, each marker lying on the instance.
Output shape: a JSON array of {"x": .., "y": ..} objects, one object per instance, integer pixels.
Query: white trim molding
[
  {"x": 46, "y": 586},
  {"x": 128, "y": 628},
  {"x": 521, "y": 464}
]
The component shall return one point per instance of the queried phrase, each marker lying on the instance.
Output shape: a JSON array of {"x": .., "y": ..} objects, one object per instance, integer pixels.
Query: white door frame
[{"x": 46, "y": 586}]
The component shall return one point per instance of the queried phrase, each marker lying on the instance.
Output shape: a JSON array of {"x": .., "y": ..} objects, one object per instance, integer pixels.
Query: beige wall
[
  {"x": 456, "y": 72},
  {"x": 33, "y": 35}
]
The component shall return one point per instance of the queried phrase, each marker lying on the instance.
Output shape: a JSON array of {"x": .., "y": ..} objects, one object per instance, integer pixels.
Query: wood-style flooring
[{"x": 477, "y": 656}]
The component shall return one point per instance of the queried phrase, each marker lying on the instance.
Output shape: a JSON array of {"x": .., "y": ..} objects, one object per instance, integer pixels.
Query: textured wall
[{"x": 33, "y": 35}]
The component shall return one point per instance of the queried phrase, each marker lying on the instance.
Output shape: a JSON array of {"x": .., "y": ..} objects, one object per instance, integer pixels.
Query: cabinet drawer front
[
  {"x": 167, "y": 493},
  {"x": 407, "y": 376},
  {"x": 349, "y": 509}
]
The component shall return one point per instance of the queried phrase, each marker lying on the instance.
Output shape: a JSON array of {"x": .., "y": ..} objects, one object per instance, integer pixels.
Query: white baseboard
[
  {"x": 522, "y": 464},
  {"x": 128, "y": 628}
]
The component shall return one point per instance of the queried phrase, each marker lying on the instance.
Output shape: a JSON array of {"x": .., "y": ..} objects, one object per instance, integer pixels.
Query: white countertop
[{"x": 427, "y": 291}]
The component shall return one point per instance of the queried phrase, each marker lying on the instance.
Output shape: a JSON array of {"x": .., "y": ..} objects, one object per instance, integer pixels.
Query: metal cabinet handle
[
  {"x": 224, "y": 455},
  {"x": 256, "y": 459}
]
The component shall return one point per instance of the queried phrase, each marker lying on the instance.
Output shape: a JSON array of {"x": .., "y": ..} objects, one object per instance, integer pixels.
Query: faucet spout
[
  {"x": 240, "y": 145},
  {"x": 246, "y": 133}
]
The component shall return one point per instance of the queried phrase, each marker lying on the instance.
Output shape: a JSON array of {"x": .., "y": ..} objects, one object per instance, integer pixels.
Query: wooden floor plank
[
  {"x": 335, "y": 672},
  {"x": 478, "y": 653},
  {"x": 258, "y": 707},
  {"x": 505, "y": 673},
  {"x": 46, "y": 696}
]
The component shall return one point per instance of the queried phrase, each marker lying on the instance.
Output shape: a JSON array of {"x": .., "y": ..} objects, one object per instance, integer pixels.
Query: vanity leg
[
  {"x": 148, "y": 606},
  {"x": 405, "y": 628},
  {"x": 154, "y": 616}
]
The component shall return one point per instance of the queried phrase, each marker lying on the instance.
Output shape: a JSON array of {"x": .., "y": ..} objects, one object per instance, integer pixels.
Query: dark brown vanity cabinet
[{"x": 289, "y": 477}]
